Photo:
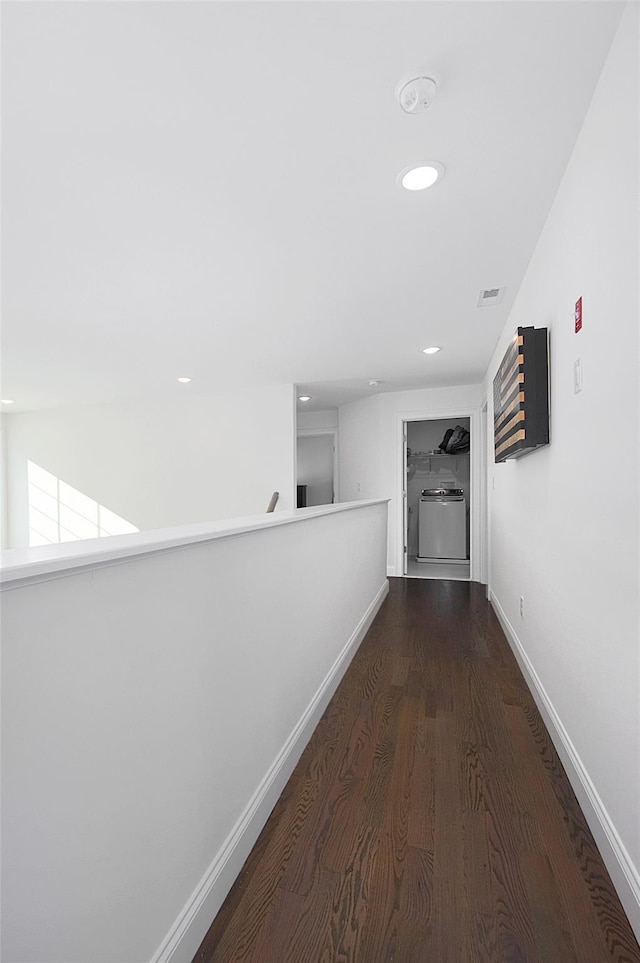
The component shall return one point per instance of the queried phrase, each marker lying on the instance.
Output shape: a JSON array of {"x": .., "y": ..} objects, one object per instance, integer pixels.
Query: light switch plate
[{"x": 577, "y": 375}]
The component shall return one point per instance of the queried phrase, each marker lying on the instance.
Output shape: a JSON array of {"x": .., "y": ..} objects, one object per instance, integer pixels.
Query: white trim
[
  {"x": 316, "y": 431},
  {"x": 622, "y": 870},
  {"x": 182, "y": 942},
  {"x": 483, "y": 426},
  {"x": 476, "y": 507}
]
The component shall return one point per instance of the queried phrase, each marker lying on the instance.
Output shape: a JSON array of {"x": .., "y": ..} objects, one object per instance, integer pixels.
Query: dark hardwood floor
[{"x": 429, "y": 819}]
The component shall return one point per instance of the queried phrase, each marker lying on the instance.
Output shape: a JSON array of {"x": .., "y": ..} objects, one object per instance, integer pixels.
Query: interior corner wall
[
  {"x": 565, "y": 519},
  {"x": 359, "y": 450},
  {"x": 158, "y": 465}
]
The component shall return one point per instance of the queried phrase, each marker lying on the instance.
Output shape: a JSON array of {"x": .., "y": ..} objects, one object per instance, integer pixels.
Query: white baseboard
[
  {"x": 187, "y": 933},
  {"x": 623, "y": 872}
]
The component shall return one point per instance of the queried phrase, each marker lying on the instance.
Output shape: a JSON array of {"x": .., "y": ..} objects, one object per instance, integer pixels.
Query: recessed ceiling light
[
  {"x": 432, "y": 350},
  {"x": 184, "y": 381},
  {"x": 7, "y": 401},
  {"x": 304, "y": 397},
  {"x": 420, "y": 177}
]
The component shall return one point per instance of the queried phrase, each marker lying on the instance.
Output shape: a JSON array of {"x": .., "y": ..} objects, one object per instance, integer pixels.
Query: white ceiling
[{"x": 209, "y": 189}]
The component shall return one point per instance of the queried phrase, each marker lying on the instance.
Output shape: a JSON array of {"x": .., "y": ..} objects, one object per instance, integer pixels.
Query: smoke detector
[{"x": 418, "y": 94}]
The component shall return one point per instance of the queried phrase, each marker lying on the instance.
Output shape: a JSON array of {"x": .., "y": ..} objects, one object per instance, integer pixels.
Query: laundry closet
[{"x": 438, "y": 506}]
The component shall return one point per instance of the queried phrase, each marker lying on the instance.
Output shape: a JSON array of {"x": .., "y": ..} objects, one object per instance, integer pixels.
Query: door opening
[
  {"x": 316, "y": 468},
  {"x": 437, "y": 497}
]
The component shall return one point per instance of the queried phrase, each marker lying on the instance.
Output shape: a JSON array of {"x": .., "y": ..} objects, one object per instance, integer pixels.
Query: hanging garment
[{"x": 459, "y": 441}]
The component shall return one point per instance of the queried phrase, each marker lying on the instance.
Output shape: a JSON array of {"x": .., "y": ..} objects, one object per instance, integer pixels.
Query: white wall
[
  {"x": 4, "y": 519},
  {"x": 359, "y": 449},
  {"x": 153, "y": 708},
  {"x": 565, "y": 519},
  {"x": 317, "y": 419},
  {"x": 370, "y": 450},
  {"x": 199, "y": 459}
]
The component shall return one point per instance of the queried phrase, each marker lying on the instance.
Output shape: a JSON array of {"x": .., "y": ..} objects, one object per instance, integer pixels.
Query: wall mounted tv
[{"x": 521, "y": 395}]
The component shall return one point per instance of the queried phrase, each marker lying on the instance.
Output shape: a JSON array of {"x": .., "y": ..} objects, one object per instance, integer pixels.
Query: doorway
[
  {"x": 437, "y": 495},
  {"x": 316, "y": 468}
]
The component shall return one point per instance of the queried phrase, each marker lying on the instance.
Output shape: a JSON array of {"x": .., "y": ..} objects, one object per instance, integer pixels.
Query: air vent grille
[{"x": 490, "y": 296}]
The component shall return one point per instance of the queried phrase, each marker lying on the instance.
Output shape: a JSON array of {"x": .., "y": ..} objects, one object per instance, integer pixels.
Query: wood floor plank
[
  {"x": 448, "y": 862},
  {"x": 429, "y": 819},
  {"x": 416, "y": 893},
  {"x": 481, "y": 933},
  {"x": 550, "y": 924},
  {"x": 384, "y": 924},
  {"x": 298, "y": 926}
]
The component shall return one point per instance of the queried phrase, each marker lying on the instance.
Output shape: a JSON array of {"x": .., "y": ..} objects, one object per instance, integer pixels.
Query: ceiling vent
[{"x": 489, "y": 296}]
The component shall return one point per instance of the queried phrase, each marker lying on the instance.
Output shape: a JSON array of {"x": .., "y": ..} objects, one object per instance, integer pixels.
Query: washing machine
[{"x": 442, "y": 525}]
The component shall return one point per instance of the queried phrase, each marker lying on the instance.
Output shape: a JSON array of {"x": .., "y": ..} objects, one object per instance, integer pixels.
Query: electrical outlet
[
  {"x": 522, "y": 606},
  {"x": 358, "y": 486}
]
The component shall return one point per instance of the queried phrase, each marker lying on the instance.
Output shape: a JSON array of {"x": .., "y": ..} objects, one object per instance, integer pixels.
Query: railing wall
[{"x": 157, "y": 692}]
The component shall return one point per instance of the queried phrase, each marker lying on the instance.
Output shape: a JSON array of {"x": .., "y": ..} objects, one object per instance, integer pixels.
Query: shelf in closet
[
  {"x": 422, "y": 464},
  {"x": 441, "y": 454}
]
